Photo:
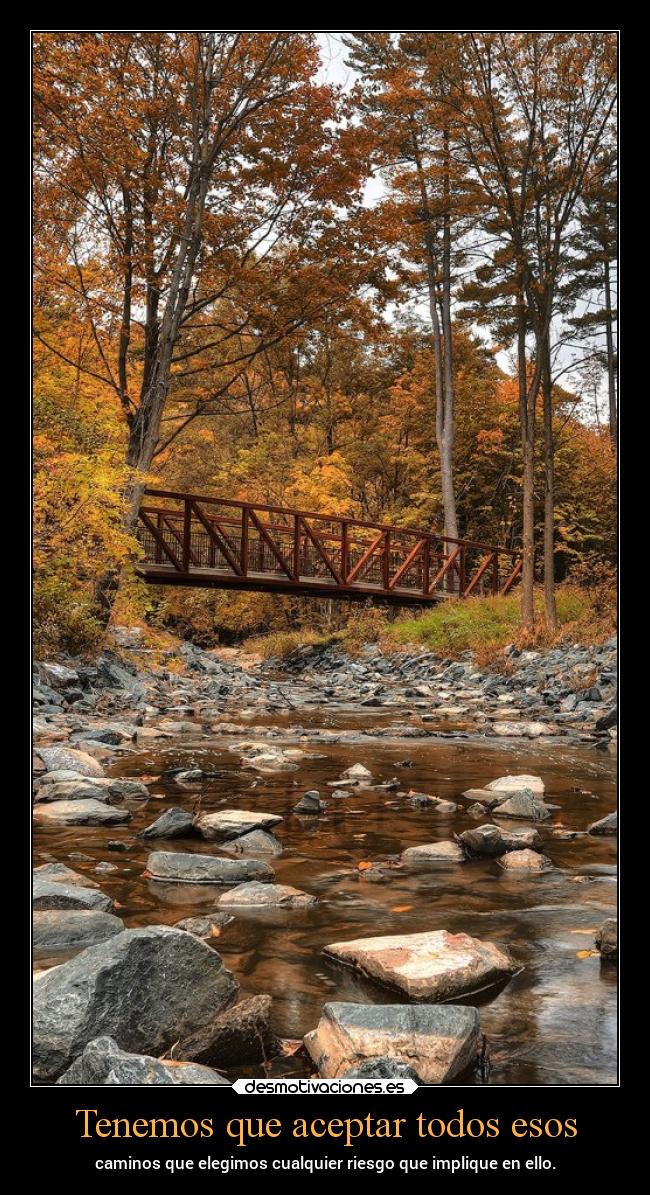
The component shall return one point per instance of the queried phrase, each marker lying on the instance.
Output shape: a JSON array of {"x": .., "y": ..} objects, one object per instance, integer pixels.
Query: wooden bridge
[{"x": 188, "y": 539}]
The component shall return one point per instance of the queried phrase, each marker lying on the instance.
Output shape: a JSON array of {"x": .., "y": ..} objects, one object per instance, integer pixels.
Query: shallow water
[{"x": 554, "y": 1023}]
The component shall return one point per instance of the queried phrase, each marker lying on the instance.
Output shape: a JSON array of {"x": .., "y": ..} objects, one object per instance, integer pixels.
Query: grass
[
  {"x": 486, "y": 625},
  {"x": 282, "y": 643}
]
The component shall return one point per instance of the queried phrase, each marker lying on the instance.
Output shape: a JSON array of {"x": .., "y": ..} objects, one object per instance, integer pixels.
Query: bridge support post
[{"x": 187, "y": 531}]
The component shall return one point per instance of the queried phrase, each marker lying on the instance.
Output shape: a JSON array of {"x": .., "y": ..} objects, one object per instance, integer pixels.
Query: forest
[{"x": 390, "y": 296}]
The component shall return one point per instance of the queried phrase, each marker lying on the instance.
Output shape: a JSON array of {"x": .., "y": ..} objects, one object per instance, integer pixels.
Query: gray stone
[
  {"x": 103, "y": 1064},
  {"x": 240, "y": 1036},
  {"x": 438, "y": 1042},
  {"x": 491, "y": 841},
  {"x": 71, "y": 790},
  {"x": 57, "y": 675},
  {"x": 523, "y": 805},
  {"x": 48, "y": 894},
  {"x": 484, "y": 795},
  {"x": 58, "y": 873},
  {"x": 146, "y": 988},
  {"x": 226, "y": 824},
  {"x": 505, "y": 784},
  {"x": 260, "y": 895},
  {"x": 524, "y": 860},
  {"x": 310, "y": 802},
  {"x": 173, "y": 823},
  {"x": 258, "y": 842},
  {"x": 80, "y": 762},
  {"x": 60, "y": 930},
  {"x": 205, "y": 869},
  {"x": 433, "y": 852},
  {"x": 383, "y": 1068},
  {"x": 607, "y": 825},
  {"x": 79, "y": 813},
  {"x": 205, "y": 927},
  {"x": 607, "y": 940},
  {"x": 434, "y": 966}
]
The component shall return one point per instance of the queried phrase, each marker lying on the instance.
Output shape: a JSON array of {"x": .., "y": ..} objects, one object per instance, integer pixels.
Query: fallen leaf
[
  {"x": 586, "y": 953},
  {"x": 401, "y": 908},
  {"x": 290, "y": 1046},
  {"x": 147, "y": 875},
  {"x": 364, "y": 866},
  {"x": 588, "y": 932},
  {"x": 215, "y": 932},
  {"x": 117, "y": 904}
]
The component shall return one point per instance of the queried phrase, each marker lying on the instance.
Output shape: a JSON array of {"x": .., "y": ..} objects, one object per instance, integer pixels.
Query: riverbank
[{"x": 275, "y": 814}]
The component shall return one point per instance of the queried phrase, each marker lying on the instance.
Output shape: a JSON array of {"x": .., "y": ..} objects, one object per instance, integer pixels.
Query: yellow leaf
[
  {"x": 364, "y": 866},
  {"x": 401, "y": 909},
  {"x": 586, "y": 953}
]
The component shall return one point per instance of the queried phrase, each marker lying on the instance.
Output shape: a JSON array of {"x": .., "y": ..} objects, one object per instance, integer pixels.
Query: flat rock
[
  {"x": 256, "y": 895},
  {"x": 606, "y": 825},
  {"x": 505, "y": 784},
  {"x": 434, "y": 852},
  {"x": 439, "y": 1042},
  {"x": 104, "y": 1064},
  {"x": 146, "y": 988},
  {"x": 232, "y": 823},
  {"x": 173, "y": 823},
  {"x": 483, "y": 795},
  {"x": 523, "y": 805},
  {"x": 205, "y": 869},
  {"x": 87, "y": 812},
  {"x": 58, "y": 873},
  {"x": 85, "y": 789},
  {"x": 49, "y": 894},
  {"x": 524, "y": 860},
  {"x": 607, "y": 940},
  {"x": 258, "y": 842},
  {"x": 240, "y": 1036},
  {"x": 59, "y": 930},
  {"x": 435, "y": 966},
  {"x": 80, "y": 762},
  {"x": 205, "y": 927}
]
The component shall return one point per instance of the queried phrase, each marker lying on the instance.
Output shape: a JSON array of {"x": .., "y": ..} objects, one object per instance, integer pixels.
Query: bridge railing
[{"x": 190, "y": 534}]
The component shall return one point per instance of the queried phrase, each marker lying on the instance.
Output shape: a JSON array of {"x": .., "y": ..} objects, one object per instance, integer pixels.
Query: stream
[{"x": 555, "y": 1022}]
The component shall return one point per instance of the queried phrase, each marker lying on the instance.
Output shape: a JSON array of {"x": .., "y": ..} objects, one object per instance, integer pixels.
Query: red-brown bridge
[{"x": 220, "y": 543}]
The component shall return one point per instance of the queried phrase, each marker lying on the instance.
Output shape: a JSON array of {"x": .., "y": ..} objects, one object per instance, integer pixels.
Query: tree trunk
[
  {"x": 611, "y": 370},
  {"x": 447, "y": 448},
  {"x": 549, "y": 494},
  {"x": 528, "y": 477}
]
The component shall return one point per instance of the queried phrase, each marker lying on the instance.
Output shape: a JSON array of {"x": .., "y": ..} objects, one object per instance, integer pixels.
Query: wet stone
[
  {"x": 232, "y": 823},
  {"x": 102, "y": 1063},
  {"x": 178, "y": 867},
  {"x": 433, "y": 852},
  {"x": 62, "y": 930},
  {"x": 173, "y": 823},
  {"x": 48, "y": 894},
  {"x": 256, "y": 895},
  {"x": 80, "y": 813}
]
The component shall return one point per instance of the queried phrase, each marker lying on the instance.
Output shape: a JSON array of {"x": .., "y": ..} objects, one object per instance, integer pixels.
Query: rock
[
  {"x": 524, "y": 860},
  {"x": 606, "y": 825},
  {"x": 184, "y": 868},
  {"x": 421, "y": 800},
  {"x": 310, "y": 802},
  {"x": 48, "y": 894},
  {"x": 434, "y": 966},
  {"x": 383, "y": 1068},
  {"x": 523, "y": 805},
  {"x": 103, "y": 1064},
  {"x": 80, "y": 762},
  {"x": 434, "y": 852},
  {"x": 357, "y": 772},
  {"x": 58, "y": 873},
  {"x": 57, "y": 675},
  {"x": 258, "y": 842},
  {"x": 59, "y": 930},
  {"x": 231, "y": 823},
  {"x": 71, "y": 790},
  {"x": 340, "y": 793},
  {"x": 173, "y": 823},
  {"x": 607, "y": 940},
  {"x": 440, "y": 1041},
  {"x": 608, "y": 720},
  {"x": 204, "y": 927},
  {"x": 504, "y": 784},
  {"x": 114, "y": 844},
  {"x": 508, "y": 730},
  {"x": 257, "y": 895},
  {"x": 489, "y": 841},
  {"x": 477, "y": 810},
  {"x": 484, "y": 795},
  {"x": 240, "y": 1036},
  {"x": 79, "y": 813},
  {"x": 146, "y": 988}
]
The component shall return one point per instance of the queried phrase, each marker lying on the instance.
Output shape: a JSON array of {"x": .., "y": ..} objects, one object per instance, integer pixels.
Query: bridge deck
[{"x": 225, "y": 544}]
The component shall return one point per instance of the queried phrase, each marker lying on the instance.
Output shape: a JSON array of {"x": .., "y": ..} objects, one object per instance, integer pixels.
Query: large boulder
[
  {"x": 66, "y": 758},
  {"x": 277, "y": 896},
  {"x": 435, "y": 966},
  {"x": 607, "y": 940},
  {"x": 606, "y": 825},
  {"x": 523, "y": 804},
  {"x": 88, "y": 812},
  {"x": 58, "y": 676},
  {"x": 232, "y": 823},
  {"x": 433, "y": 852},
  {"x": 440, "y": 1042},
  {"x": 104, "y": 1064},
  {"x": 173, "y": 823},
  {"x": 146, "y": 988},
  {"x": 488, "y": 841},
  {"x": 240, "y": 1036},
  {"x": 58, "y": 931},
  {"x": 59, "y": 873},
  {"x": 49, "y": 894},
  {"x": 506, "y": 784},
  {"x": 181, "y": 868}
]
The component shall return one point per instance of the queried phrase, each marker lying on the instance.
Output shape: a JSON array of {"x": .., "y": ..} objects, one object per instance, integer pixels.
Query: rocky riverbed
[{"x": 333, "y": 858}]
